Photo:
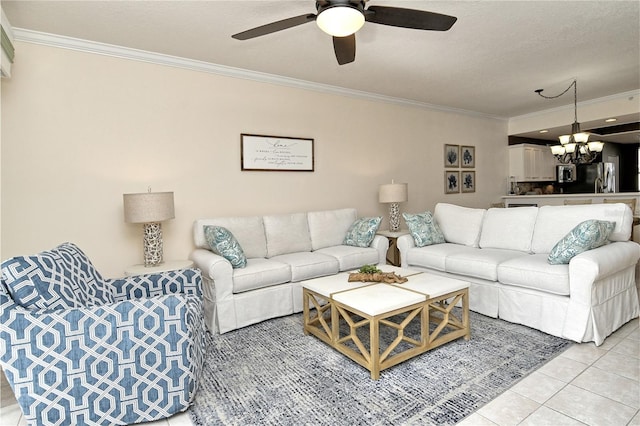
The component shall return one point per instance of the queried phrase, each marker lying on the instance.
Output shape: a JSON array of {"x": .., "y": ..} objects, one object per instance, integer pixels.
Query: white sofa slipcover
[
  {"x": 503, "y": 253},
  {"x": 281, "y": 251}
]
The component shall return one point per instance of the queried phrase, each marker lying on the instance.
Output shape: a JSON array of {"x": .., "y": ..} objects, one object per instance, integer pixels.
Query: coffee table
[{"x": 339, "y": 312}]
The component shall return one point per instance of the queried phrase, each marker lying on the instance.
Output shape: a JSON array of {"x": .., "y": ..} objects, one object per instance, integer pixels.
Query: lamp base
[
  {"x": 152, "y": 244},
  {"x": 394, "y": 217}
]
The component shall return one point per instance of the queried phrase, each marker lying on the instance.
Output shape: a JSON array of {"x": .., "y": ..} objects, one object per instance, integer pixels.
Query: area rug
[{"x": 272, "y": 374}]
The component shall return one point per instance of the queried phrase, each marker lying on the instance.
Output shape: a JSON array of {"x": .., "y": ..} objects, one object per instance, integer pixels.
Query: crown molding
[{"x": 64, "y": 42}]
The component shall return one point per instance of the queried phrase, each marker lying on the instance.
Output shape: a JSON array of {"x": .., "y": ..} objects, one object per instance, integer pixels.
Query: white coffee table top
[
  {"x": 433, "y": 285},
  {"x": 378, "y": 299},
  {"x": 326, "y": 286}
]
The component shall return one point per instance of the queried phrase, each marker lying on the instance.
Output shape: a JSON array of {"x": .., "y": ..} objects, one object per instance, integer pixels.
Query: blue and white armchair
[{"x": 79, "y": 349}]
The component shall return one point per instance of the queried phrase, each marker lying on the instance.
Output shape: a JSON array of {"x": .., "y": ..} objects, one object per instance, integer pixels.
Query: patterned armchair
[{"x": 79, "y": 349}]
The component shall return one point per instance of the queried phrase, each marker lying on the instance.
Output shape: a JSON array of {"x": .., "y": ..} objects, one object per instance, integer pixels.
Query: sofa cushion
[
  {"x": 307, "y": 265},
  {"x": 350, "y": 257},
  {"x": 435, "y": 256},
  {"x": 260, "y": 273},
  {"x": 554, "y": 222},
  {"x": 534, "y": 272},
  {"x": 248, "y": 231},
  {"x": 509, "y": 229},
  {"x": 480, "y": 263},
  {"x": 460, "y": 225},
  {"x": 587, "y": 235},
  {"x": 61, "y": 278},
  {"x": 223, "y": 243},
  {"x": 328, "y": 228},
  {"x": 287, "y": 233},
  {"x": 362, "y": 232},
  {"x": 424, "y": 229}
]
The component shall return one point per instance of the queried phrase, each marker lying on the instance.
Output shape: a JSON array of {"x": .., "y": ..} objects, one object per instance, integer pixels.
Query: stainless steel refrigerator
[{"x": 594, "y": 178}]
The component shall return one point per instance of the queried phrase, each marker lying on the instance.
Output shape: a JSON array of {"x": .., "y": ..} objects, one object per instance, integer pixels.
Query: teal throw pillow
[
  {"x": 585, "y": 236},
  {"x": 424, "y": 229},
  {"x": 362, "y": 232},
  {"x": 222, "y": 242}
]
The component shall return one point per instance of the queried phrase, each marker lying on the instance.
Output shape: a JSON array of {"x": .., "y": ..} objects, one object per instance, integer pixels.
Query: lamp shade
[
  {"x": 393, "y": 193},
  {"x": 564, "y": 139},
  {"x": 596, "y": 146},
  {"x": 581, "y": 137},
  {"x": 148, "y": 207}
]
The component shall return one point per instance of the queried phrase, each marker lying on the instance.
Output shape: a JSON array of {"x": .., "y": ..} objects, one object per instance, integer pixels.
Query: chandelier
[{"x": 574, "y": 148}]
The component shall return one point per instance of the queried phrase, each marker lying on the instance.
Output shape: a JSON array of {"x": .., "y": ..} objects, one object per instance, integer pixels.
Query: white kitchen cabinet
[{"x": 531, "y": 163}]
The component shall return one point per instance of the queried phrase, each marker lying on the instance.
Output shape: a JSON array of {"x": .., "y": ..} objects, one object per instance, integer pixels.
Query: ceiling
[{"x": 490, "y": 62}]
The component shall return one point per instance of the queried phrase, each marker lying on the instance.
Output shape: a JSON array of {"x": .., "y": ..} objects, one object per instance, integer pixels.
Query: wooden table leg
[{"x": 374, "y": 348}]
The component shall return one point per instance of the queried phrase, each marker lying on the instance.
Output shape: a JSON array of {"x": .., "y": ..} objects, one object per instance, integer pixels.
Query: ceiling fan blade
[
  {"x": 275, "y": 26},
  {"x": 345, "y": 48},
  {"x": 409, "y": 18}
]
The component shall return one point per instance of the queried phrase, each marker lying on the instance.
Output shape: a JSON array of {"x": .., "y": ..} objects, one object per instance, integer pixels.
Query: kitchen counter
[{"x": 558, "y": 199}]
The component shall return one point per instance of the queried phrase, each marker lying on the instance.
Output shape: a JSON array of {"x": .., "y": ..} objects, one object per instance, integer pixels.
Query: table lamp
[
  {"x": 150, "y": 208},
  {"x": 393, "y": 193}
]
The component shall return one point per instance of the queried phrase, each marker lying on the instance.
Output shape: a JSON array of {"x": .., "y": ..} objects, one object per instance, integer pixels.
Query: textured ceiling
[{"x": 490, "y": 62}]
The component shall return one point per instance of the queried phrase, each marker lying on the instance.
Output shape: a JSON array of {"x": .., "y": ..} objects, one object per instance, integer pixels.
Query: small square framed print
[
  {"x": 468, "y": 181},
  {"x": 451, "y": 182},
  {"x": 452, "y": 155},
  {"x": 468, "y": 156}
]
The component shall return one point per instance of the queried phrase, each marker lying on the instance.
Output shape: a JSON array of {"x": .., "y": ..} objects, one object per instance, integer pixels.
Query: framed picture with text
[
  {"x": 276, "y": 153},
  {"x": 451, "y": 182},
  {"x": 452, "y": 155},
  {"x": 468, "y": 156}
]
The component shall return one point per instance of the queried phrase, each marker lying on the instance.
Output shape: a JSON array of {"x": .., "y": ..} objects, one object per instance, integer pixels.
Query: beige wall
[{"x": 81, "y": 129}]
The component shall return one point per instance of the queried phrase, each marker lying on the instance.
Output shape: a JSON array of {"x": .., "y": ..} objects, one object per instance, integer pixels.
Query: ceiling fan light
[{"x": 340, "y": 21}]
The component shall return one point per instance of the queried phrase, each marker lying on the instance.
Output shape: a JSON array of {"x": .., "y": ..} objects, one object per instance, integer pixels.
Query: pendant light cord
[{"x": 574, "y": 83}]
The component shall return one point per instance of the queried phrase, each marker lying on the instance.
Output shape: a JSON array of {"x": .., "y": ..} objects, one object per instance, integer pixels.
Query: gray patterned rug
[{"x": 272, "y": 374}]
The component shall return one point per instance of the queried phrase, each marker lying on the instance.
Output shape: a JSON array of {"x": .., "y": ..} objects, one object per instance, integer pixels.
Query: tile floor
[{"x": 585, "y": 385}]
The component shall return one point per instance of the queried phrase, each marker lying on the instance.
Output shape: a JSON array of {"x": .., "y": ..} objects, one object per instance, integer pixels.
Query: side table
[
  {"x": 393, "y": 254},
  {"x": 170, "y": 265}
]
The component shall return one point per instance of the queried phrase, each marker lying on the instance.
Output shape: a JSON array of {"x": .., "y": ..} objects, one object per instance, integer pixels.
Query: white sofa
[
  {"x": 281, "y": 251},
  {"x": 503, "y": 254}
]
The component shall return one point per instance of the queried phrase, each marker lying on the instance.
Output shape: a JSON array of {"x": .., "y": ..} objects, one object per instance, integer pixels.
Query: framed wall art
[
  {"x": 451, "y": 182},
  {"x": 452, "y": 155},
  {"x": 468, "y": 181},
  {"x": 468, "y": 156},
  {"x": 276, "y": 153}
]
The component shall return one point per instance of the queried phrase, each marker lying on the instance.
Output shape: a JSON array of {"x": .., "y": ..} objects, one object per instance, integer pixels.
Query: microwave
[{"x": 566, "y": 173}]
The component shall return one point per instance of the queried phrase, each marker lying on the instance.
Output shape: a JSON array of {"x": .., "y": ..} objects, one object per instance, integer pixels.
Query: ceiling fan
[{"x": 342, "y": 18}]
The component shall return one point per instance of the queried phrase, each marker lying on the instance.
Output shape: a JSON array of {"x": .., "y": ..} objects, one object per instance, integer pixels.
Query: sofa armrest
[
  {"x": 185, "y": 281},
  {"x": 381, "y": 243},
  {"x": 593, "y": 265},
  {"x": 597, "y": 277},
  {"x": 404, "y": 243},
  {"x": 217, "y": 269}
]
